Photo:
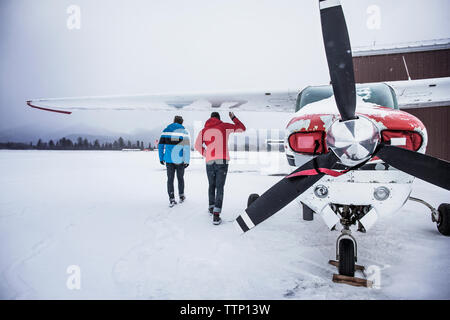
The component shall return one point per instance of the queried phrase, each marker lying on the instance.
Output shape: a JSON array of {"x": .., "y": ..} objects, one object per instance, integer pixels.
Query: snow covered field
[{"x": 107, "y": 212}]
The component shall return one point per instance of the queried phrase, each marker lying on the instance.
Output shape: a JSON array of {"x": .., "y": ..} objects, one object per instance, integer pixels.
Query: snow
[{"x": 107, "y": 212}]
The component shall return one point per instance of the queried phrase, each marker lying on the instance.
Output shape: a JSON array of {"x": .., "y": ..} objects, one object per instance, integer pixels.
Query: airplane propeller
[
  {"x": 422, "y": 166},
  {"x": 285, "y": 191},
  {"x": 352, "y": 153},
  {"x": 339, "y": 57}
]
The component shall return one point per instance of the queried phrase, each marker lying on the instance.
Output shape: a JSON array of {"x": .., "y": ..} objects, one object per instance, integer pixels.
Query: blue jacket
[{"x": 174, "y": 145}]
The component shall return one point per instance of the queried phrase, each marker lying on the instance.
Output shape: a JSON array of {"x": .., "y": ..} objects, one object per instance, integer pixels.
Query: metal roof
[{"x": 402, "y": 47}]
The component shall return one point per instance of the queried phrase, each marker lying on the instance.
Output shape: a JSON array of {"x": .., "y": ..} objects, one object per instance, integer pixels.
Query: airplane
[{"x": 356, "y": 153}]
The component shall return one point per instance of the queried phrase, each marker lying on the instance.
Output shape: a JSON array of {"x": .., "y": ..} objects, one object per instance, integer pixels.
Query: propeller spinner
[{"x": 353, "y": 141}]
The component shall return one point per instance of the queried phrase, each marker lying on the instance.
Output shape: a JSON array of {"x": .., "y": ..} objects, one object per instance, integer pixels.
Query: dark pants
[
  {"x": 217, "y": 173},
  {"x": 171, "y": 169}
]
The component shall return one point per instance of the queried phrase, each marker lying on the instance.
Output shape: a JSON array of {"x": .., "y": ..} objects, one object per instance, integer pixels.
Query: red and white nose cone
[{"x": 353, "y": 141}]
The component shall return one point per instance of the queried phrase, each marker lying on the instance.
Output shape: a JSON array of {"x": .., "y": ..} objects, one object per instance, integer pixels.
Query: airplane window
[
  {"x": 378, "y": 93},
  {"x": 313, "y": 94}
]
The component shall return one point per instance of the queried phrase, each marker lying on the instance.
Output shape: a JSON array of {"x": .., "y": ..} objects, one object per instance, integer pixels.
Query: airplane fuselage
[{"x": 306, "y": 138}]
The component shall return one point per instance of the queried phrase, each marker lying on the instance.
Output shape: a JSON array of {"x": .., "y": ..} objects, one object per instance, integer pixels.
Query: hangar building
[{"x": 427, "y": 99}]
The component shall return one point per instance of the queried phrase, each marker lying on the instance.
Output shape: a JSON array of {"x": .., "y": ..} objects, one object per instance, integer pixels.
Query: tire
[
  {"x": 308, "y": 213},
  {"x": 346, "y": 258},
  {"x": 252, "y": 198},
  {"x": 443, "y": 224}
]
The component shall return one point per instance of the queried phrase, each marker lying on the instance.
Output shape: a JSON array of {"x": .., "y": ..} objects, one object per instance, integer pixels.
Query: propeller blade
[
  {"x": 339, "y": 57},
  {"x": 430, "y": 169},
  {"x": 282, "y": 193}
]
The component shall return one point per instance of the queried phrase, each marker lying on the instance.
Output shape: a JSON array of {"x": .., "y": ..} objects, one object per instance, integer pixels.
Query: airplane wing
[
  {"x": 282, "y": 101},
  {"x": 410, "y": 94},
  {"x": 422, "y": 92}
]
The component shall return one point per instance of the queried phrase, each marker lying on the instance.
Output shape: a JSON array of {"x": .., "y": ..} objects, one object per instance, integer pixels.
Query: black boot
[
  {"x": 182, "y": 198},
  {"x": 216, "y": 218},
  {"x": 172, "y": 203}
]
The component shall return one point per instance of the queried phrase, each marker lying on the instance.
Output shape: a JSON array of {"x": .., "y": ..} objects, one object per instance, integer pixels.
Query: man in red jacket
[{"x": 212, "y": 143}]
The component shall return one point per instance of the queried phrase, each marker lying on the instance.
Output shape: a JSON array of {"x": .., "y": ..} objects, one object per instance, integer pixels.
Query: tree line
[{"x": 79, "y": 144}]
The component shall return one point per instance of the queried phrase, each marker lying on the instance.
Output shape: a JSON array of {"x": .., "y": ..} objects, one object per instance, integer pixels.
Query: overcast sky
[{"x": 150, "y": 46}]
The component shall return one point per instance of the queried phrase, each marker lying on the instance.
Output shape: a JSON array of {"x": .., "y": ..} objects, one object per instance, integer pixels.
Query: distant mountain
[
  {"x": 27, "y": 134},
  {"x": 23, "y": 134}
]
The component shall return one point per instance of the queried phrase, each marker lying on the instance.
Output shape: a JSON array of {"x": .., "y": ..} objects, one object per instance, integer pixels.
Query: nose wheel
[{"x": 346, "y": 257}]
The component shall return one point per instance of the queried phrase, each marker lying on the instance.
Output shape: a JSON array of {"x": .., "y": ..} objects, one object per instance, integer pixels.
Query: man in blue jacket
[{"x": 174, "y": 151}]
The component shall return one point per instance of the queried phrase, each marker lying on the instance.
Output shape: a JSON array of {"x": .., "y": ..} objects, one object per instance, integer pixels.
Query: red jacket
[{"x": 215, "y": 137}]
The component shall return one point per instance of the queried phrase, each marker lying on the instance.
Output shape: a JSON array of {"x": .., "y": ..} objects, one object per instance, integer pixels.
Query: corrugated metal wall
[
  {"x": 390, "y": 67},
  {"x": 421, "y": 65},
  {"x": 436, "y": 120}
]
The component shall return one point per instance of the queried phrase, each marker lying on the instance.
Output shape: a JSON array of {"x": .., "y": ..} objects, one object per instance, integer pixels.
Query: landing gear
[
  {"x": 346, "y": 258},
  {"x": 441, "y": 216},
  {"x": 347, "y": 248},
  {"x": 443, "y": 223},
  {"x": 308, "y": 213},
  {"x": 252, "y": 198}
]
